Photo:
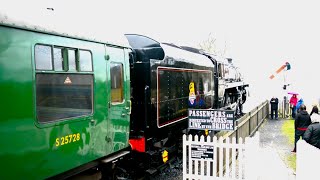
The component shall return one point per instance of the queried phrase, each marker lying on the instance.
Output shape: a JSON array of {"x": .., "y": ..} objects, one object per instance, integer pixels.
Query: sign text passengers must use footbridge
[{"x": 211, "y": 119}]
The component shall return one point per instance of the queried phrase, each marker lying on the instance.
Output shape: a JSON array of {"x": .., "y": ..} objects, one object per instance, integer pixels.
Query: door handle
[
  {"x": 93, "y": 122},
  {"x": 129, "y": 108}
]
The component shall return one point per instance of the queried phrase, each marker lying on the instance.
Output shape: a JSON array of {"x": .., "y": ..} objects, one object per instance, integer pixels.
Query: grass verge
[{"x": 288, "y": 130}]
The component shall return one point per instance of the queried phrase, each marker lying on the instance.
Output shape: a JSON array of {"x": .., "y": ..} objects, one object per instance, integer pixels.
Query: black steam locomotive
[{"x": 166, "y": 80}]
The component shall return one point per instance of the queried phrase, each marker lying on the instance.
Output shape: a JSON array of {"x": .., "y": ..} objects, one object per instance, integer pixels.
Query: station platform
[{"x": 274, "y": 149}]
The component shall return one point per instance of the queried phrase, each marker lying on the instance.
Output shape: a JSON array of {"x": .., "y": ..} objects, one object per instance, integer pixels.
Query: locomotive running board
[
  {"x": 236, "y": 84},
  {"x": 115, "y": 156}
]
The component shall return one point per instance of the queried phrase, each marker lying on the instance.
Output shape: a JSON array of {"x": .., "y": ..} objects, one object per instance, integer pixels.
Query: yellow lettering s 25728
[{"x": 67, "y": 139}]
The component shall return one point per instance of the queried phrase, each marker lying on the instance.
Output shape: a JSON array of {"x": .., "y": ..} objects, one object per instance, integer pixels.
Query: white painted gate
[{"x": 220, "y": 159}]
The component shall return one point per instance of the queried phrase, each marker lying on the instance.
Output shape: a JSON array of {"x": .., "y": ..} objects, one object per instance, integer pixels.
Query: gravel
[{"x": 172, "y": 172}]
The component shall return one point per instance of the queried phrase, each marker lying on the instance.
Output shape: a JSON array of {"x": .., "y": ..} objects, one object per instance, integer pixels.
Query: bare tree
[{"x": 209, "y": 45}]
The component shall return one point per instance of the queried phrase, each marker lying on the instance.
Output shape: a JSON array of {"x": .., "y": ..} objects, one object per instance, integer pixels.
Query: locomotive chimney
[{"x": 229, "y": 60}]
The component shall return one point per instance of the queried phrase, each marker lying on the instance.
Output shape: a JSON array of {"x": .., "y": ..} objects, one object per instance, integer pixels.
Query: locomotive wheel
[
  {"x": 120, "y": 174},
  {"x": 117, "y": 173}
]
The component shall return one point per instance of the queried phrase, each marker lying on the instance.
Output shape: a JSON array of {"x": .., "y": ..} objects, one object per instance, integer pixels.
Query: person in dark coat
[
  {"x": 274, "y": 107},
  {"x": 312, "y": 134},
  {"x": 301, "y": 124}
]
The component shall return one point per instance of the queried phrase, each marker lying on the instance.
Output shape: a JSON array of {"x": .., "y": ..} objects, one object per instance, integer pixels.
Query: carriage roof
[{"x": 45, "y": 21}]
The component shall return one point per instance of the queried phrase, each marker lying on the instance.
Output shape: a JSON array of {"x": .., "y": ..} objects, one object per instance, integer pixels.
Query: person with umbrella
[{"x": 293, "y": 103}]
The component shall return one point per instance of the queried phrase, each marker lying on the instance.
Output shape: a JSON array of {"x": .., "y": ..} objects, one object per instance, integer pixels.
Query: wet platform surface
[{"x": 275, "y": 148}]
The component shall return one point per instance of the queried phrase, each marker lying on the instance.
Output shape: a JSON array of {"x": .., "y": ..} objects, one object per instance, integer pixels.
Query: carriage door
[{"x": 119, "y": 93}]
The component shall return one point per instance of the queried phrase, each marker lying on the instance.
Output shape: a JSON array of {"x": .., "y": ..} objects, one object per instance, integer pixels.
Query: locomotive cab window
[
  {"x": 116, "y": 75},
  {"x": 220, "y": 70},
  {"x": 64, "y": 83}
]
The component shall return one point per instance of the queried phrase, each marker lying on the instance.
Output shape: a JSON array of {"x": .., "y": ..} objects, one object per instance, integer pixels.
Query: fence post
[
  {"x": 189, "y": 165},
  {"x": 249, "y": 123},
  {"x": 257, "y": 116},
  {"x": 202, "y": 170},
  {"x": 262, "y": 111},
  {"x": 233, "y": 173},
  {"x": 237, "y": 135},
  {"x": 267, "y": 109},
  {"x": 284, "y": 108}
]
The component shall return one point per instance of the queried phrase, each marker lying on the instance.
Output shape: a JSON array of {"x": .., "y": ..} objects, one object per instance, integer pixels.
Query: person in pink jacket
[{"x": 293, "y": 103}]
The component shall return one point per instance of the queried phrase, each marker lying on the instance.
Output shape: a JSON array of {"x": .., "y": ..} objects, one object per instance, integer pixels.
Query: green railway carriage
[{"x": 65, "y": 101}]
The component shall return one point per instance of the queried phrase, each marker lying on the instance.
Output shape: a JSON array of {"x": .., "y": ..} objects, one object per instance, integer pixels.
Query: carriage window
[
  {"x": 72, "y": 59},
  {"x": 116, "y": 71},
  {"x": 85, "y": 61},
  {"x": 43, "y": 57},
  {"x": 62, "y": 96},
  {"x": 58, "y": 59},
  {"x": 50, "y": 57}
]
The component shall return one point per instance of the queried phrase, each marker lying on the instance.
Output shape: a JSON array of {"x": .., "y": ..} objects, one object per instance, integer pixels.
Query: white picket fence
[
  {"x": 308, "y": 160},
  {"x": 220, "y": 159}
]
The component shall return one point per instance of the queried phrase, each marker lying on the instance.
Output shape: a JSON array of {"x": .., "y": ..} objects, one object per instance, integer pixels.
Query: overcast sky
[{"x": 259, "y": 36}]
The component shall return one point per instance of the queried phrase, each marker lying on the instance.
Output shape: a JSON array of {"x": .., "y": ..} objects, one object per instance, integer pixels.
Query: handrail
[{"x": 248, "y": 124}]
